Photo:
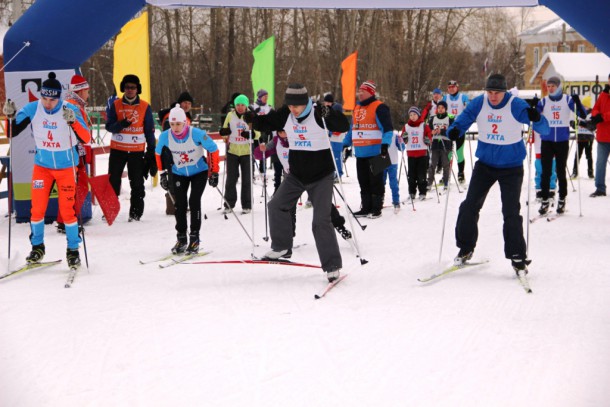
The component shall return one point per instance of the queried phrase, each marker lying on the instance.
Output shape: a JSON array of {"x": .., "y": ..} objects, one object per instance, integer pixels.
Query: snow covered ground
[{"x": 251, "y": 335}]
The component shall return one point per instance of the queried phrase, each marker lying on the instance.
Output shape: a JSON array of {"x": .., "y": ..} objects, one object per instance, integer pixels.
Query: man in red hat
[
  {"x": 78, "y": 94},
  {"x": 371, "y": 134}
]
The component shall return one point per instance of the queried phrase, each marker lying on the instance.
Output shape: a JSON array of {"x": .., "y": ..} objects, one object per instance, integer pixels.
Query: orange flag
[{"x": 348, "y": 81}]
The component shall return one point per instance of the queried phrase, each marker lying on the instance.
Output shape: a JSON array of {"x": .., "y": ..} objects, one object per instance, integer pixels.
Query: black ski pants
[
  {"x": 236, "y": 164},
  {"x": 483, "y": 178},
  {"x": 559, "y": 151},
  {"x": 181, "y": 186},
  {"x": 418, "y": 167}
]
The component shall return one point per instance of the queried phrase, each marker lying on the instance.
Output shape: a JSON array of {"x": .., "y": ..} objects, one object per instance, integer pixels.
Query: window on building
[
  {"x": 581, "y": 48},
  {"x": 554, "y": 48},
  {"x": 536, "y": 57},
  {"x": 566, "y": 48},
  {"x": 545, "y": 50}
]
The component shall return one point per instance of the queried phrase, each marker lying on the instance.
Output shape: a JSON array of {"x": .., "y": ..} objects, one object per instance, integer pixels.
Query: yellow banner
[{"x": 131, "y": 55}]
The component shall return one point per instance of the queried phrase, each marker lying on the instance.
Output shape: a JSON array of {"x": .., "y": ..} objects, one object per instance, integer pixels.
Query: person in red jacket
[
  {"x": 417, "y": 137},
  {"x": 600, "y": 120}
]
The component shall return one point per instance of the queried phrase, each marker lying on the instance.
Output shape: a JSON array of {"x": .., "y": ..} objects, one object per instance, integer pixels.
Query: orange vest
[
  {"x": 365, "y": 130},
  {"x": 131, "y": 138}
]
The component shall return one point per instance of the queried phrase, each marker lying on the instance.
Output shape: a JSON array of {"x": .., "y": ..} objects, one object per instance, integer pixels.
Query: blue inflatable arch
[{"x": 65, "y": 33}]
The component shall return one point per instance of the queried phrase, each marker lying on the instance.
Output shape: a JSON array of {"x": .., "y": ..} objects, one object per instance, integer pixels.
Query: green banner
[{"x": 263, "y": 70}]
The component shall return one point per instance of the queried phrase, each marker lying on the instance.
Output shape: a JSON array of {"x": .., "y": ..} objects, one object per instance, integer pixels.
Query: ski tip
[
  {"x": 316, "y": 297},
  {"x": 363, "y": 262}
]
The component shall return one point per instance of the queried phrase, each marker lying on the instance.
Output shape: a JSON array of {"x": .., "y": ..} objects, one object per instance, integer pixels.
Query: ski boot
[
  {"x": 345, "y": 234},
  {"x": 462, "y": 257},
  {"x": 61, "y": 228},
  {"x": 193, "y": 245},
  {"x": 278, "y": 254},
  {"x": 461, "y": 178},
  {"x": 561, "y": 205},
  {"x": 396, "y": 207},
  {"x": 544, "y": 207},
  {"x": 590, "y": 173},
  {"x": 333, "y": 275},
  {"x": 520, "y": 264},
  {"x": 597, "y": 193},
  {"x": 36, "y": 254},
  {"x": 73, "y": 258},
  {"x": 180, "y": 245}
]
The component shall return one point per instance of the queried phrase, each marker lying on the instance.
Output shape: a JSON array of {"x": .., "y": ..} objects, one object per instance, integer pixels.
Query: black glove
[
  {"x": 384, "y": 150},
  {"x": 164, "y": 181},
  {"x": 533, "y": 114},
  {"x": 245, "y": 134},
  {"x": 454, "y": 134},
  {"x": 125, "y": 123},
  {"x": 347, "y": 152},
  {"x": 426, "y": 141},
  {"x": 151, "y": 161},
  {"x": 573, "y": 124},
  {"x": 606, "y": 88},
  {"x": 591, "y": 125},
  {"x": 225, "y": 131},
  {"x": 534, "y": 101},
  {"x": 213, "y": 180},
  {"x": 323, "y": 111},
  {"x": 576, "y": 98},
  {"x": 597, "y": 119}
]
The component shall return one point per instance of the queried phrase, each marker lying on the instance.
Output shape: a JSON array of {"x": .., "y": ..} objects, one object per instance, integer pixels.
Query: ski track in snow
[{"x": 249, "y": 335}]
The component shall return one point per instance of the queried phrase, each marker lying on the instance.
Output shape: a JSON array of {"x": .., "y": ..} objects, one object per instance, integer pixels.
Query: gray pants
[
  {"x": 444, "y": 158},
  {"x": 280, "y": 220}
]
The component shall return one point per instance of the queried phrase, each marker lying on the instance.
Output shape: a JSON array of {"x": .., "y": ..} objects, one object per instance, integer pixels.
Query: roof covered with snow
[{"x": 574, "y": 66}]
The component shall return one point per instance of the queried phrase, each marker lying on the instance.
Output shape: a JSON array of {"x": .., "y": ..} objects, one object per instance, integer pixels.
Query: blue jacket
[
  {"x": 200, "y": 137},
  {"x": 493, "y": 155},
  {"x": 556, "y": 133}
]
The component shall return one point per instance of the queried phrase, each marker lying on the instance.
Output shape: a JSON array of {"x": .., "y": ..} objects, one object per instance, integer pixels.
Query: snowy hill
[{"x": 251, "y": 335}]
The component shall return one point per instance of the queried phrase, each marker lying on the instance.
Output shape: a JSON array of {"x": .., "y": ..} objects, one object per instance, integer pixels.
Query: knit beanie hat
[
  {"x": 414, "y": 109},
  {"x": 241, "y": 100},
  {"x": 553, "y": 80},
  {"x": 185, "y": 97},
  {"x": 329, "y": 98},
  {"x": 369, "y": 86},
  {"x": 496, "y": 82},
  {"x": 51, "y": 88},
  {"x": 78, "y": 83},
  {"x": 442, "y": 103},
  {"x": 261, "y": 93},
  {"x": 296, "y": 95},
  {"x": 437, "y": 90},
  {"x": 177, "y": 115}
]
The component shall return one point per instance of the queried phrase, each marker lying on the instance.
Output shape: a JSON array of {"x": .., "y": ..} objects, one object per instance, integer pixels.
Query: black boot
[
  {"x": 463, "y": 256},
  {"x": 194, "y": 244},
  {"x": 376, "y": 206},
  {"x": 180, "y": 245},
  {"x": 544, "y": 207},
  {"x": 36, "y": 254},
  {"x": 73, "y": 258},
  {"x": 365, "y": 209}
]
